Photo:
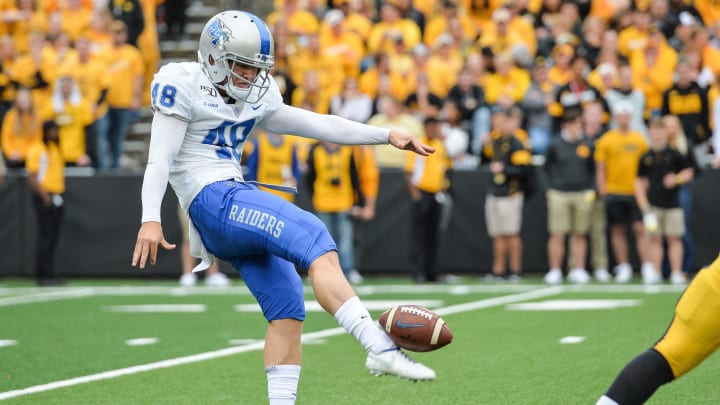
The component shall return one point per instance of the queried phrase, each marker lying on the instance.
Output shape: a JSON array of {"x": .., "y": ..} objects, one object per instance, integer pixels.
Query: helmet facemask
[{"x": 255, "y": 88}]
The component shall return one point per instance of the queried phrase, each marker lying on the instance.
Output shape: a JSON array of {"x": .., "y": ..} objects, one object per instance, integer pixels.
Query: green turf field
[{"x": 73, "y": 345}]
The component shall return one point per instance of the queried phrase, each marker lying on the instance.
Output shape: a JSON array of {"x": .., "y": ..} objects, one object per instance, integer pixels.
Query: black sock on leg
[{"x": 640, "y": 378}]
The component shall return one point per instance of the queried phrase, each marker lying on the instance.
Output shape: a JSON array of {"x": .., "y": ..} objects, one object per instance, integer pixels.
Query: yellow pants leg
[{"x": 694, "y": 333}]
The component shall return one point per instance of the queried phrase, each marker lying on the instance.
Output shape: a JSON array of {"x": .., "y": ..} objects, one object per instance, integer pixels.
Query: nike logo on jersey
[
  {"x": 255, "y": 107},
  {"x": 400, "y": 324}
]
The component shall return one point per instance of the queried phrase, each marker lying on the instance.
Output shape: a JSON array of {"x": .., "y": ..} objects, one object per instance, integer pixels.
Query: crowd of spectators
[
  {"x": 483, "y": 66},
  {"x": 84, "y": 65},
  {"x": 490, "y": 71}
]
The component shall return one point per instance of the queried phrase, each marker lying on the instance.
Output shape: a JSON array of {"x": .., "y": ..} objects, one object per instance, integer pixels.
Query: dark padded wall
[{"x": 103, "y": 215}]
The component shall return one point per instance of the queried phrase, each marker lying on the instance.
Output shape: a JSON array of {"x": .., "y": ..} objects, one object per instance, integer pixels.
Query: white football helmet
[{"x": 232, "y": 37}]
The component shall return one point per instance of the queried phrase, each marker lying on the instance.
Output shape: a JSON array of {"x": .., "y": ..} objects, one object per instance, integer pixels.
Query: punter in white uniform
[{"x": 203, "y": 114}]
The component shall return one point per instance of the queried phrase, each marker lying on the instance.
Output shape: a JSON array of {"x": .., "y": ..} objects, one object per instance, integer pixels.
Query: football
[{"x": 415, "y": 328}]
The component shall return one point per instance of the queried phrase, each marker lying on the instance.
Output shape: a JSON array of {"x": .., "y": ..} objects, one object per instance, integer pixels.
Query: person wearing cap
[
  {"x": 653, "y": 67},
  {"x": 617, "y": 155},
  {"x": 604, "y": 77},
  {"x": 426, "y": 182},
  {"x": 560, "y": 73},
  {"x": 509, "y": 161},
  {"x": 45, "y": 167},
  {"x": 682, "y": 34},
  {"x": 508, "y": 85},
  {"x": 444, "y": 65},
  {"x": 570, "y": 172},
  {"x": 498, "y": 35},
  {"x": 661, "y": 172},
  {"x": 345, "y": 47}
]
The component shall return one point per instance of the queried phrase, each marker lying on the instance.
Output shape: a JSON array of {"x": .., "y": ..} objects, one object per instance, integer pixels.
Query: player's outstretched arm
[
  {"x": 332, "y": 128},
  {"x": 405, "y": 141},
  {"x": 167, "y": 134}
]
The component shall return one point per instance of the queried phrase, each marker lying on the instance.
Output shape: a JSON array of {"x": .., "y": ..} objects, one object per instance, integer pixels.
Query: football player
[
  {"x": 693, "y": 335},
  {"x": 204, "y": 112}
]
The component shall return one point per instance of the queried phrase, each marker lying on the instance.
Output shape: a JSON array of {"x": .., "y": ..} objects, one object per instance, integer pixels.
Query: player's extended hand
[
  {"x": 149, "y": 237},
  {"x": 405, "y": 141}
]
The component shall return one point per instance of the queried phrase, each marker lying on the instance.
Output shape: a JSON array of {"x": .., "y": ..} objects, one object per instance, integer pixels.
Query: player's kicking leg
[
  {"x": 337, "y": 297},
  {"x": 693, "y": 335}
]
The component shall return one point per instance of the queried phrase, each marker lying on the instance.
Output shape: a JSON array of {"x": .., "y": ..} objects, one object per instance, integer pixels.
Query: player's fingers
[
  {"x": 428, "y": 149},
  {"x": 153, "y": 252},
  {"x": 422, "y": 149},
  {"x": 136, "y": 253},
  {"x": 167, "y": 245},
  {"x": 143, "y": 254}
]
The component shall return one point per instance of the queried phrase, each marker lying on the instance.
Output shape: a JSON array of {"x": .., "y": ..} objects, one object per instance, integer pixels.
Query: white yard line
[
  {"x": 157, "y": 308},
  {"x": 60, "y": 294},
  {"x": 29, "y": 295},
  {"x": 454, "y": 309}
]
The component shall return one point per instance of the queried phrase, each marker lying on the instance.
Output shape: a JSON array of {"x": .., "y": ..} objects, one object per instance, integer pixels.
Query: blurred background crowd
[{"x": 496, "y": 82}]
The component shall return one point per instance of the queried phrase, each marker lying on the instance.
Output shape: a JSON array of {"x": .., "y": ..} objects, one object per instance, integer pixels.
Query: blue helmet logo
[{"x": 218, "y": 32}]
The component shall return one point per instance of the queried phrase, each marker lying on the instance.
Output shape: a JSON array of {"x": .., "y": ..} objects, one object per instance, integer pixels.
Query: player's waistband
[{"x": 277, "y": 187}]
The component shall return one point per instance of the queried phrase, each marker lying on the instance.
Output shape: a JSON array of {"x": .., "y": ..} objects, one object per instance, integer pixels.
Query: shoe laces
[{"x": 405, "y": 356}]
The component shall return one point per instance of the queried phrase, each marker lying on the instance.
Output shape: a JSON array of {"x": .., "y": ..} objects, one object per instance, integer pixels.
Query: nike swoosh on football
[{"x": 402, "y": 325}]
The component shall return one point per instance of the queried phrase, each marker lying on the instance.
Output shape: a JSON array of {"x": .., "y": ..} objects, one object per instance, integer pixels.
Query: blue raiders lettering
[{"x": 259, "y": 219}]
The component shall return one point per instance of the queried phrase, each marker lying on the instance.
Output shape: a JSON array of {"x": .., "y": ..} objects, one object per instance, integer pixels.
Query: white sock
[
  {"x": 355, "y": 318},
  {"x": 554, "y": 269},
  {"x": 605, "y": 400},
  {"x": 282, "y": 384}
]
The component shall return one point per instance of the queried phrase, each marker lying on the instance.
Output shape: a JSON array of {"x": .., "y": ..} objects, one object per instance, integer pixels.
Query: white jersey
[
  {"x": 216, "y": 130},
  {"x": 197, "y": 138}
]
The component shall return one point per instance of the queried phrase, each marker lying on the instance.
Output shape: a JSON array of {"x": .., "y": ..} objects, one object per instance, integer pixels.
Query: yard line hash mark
[{"x": 453, "y": 309}]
